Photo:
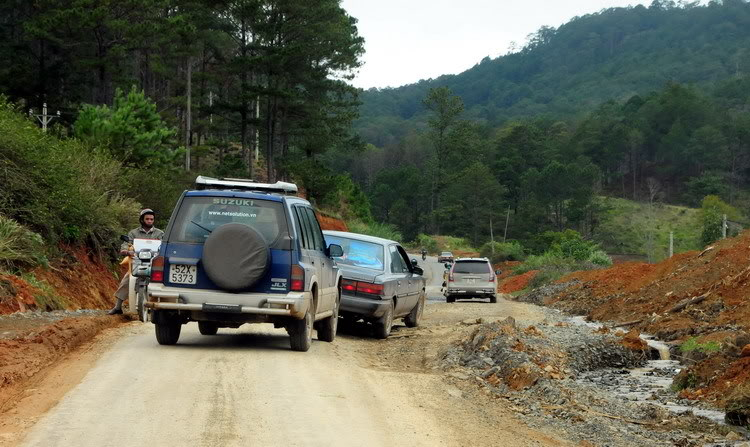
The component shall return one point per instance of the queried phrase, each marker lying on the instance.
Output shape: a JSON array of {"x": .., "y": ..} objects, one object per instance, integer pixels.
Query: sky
[{"x": 409, "y": 40}]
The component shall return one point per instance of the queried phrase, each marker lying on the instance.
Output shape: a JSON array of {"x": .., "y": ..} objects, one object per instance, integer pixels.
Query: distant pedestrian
[{"x": 147, "y": 230}]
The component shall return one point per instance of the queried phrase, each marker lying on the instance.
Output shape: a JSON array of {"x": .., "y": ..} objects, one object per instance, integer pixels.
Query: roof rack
[{"x": 202, "y": 182}]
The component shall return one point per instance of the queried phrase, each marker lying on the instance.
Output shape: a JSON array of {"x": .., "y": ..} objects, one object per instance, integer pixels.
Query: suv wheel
[
  {"x": 208, "y": 328},
  {"x": 327, "y": 328},
  {"x": 412, "y": 320},
  {"x": 450, "y": 299},
  {"x": 493, "y": 298},
  {"x": 385, "y": 323},
  {"x": 300, "y": 332},
  {"x": 167, "y": 333}
]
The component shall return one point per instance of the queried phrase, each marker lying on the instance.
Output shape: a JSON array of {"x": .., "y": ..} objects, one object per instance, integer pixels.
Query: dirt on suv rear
[{"x": 238, "y": 252}]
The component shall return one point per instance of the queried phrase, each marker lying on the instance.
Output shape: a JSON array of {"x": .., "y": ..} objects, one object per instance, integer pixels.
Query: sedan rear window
[
  {"x": 199, "y": 216},
  {"x": 358, "y": 253},
  {"x": 471, "y": 267}
]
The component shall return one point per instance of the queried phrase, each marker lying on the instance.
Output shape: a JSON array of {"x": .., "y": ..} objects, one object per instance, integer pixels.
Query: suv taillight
[
  {"x": 157, "y": 269},
  {"x": 298, "y": 278},
  {"x": 492, "y": 275},
  {"x": 450, "y": 276}
]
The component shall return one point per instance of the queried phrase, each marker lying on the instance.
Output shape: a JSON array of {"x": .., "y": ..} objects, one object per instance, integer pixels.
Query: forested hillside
[{"x": 612, "y": 54}]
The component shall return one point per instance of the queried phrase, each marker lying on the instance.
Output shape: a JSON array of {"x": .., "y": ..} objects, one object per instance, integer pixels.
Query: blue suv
[{"x": 238, "y": 252}]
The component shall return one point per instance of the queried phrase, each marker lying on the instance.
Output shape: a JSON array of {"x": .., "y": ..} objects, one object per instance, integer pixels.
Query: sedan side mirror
[
  {"x": 335, "y": 251},
  {"x": 498, "y": 272}
]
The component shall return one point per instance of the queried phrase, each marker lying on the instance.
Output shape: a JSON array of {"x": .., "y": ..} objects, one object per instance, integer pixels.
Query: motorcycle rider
[
  {"x": 147, "y": 230},
  {"x": 424, "y": 253}
]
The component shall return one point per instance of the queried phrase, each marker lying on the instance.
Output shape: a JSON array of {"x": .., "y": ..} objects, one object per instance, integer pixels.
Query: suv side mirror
[
  {"x": 335, "y": 251},
  {"x": 498, "y": 272},
  {"x": 124, "y": 238},
  {"x": 418, "y": 271}
]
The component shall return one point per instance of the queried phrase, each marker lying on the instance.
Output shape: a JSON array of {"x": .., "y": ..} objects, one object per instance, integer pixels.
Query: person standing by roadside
[{"x": 147, "y": 230}]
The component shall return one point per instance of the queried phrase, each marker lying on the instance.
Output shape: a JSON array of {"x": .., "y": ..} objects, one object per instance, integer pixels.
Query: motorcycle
[
  {"x": 424, "y": 256},
  {"x": 145, "y": 250}
]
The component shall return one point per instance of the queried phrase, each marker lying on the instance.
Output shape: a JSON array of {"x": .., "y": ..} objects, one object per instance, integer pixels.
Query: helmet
[{"x": 144, "y": 212}]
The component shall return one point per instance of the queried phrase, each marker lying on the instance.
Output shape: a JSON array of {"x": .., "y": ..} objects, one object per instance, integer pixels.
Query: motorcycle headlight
[{"x": 144, "y": 255}]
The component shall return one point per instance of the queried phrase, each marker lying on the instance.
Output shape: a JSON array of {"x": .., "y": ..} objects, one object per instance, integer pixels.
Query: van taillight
[
  {"x": 298, "y": 278},
  {"x": 157, "y": 269}
]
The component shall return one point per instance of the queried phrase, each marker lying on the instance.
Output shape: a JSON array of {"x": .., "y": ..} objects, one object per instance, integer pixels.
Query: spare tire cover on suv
[{"x": 235, "y": 256}]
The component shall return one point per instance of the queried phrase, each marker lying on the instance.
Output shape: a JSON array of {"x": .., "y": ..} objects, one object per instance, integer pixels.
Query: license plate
[
  {"x": 226, "y": 308},
  {"x": 471, "y": 280},
  {"x": 182, "y": 274}
]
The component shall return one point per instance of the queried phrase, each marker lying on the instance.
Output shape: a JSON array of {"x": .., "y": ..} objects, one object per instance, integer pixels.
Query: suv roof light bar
[{"x": 202, "y": 182}]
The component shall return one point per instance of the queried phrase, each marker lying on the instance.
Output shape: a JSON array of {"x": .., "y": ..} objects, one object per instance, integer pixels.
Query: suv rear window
[
  {"x": 471, "y": 267},
  {"x": 199, "y": 216}
]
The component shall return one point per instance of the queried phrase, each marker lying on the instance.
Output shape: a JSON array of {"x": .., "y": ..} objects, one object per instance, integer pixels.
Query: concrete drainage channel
[{"x": 650, "y": 383}]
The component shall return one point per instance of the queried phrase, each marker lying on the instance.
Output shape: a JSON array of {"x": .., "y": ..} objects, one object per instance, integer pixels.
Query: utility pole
[
  {"x": 492, "y": 238},
  {"x": 188, "y": 123},
  {"x": 507, "y": 218},
  {"x": 257, "y": 131},
  {"x": 211, "y": 107},
  {"x": 671, "y": 244},
  {"x": 44, "y": 118}
]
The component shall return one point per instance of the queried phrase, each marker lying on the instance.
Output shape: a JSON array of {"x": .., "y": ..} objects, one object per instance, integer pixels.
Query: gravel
[{"x": 555, "y": 375}]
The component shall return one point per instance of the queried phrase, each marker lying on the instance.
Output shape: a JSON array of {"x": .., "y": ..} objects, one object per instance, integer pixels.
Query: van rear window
[
  {"x": 199, "y": 216},
  {"x": 471, "y": 267}
]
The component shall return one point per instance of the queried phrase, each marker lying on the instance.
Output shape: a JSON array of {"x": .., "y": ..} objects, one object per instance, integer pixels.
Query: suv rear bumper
[
  {"x": 293, "y": 304},
  {"x": 367, "y": 307},
  {"x": 470, "y": 291}
]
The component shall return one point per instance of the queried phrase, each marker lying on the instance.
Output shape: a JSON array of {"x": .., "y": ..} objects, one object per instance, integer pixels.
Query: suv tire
[
  {"x": 167, "y": 333},
  {"x": 412, "y": 320},
  {"x": 300, "y": 332},
  {"x": 327, "y": 328},
  {"x": 493, "y": 298},
  {"x": 385, "y": 323},
  {"x": 450, "y": 299},
  {"x": 208, "y": 328}
]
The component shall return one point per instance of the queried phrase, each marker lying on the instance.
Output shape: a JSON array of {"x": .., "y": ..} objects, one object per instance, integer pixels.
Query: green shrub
[
  {"x": 386, "y": 231},
  {"x": 503, "y": 251},
  {"x": 571, "y": 244},
  {"x": 691, "y": 344},
  {"x": 427, "y": 242},
  {"x": 600, "y": 258},
  {"x": 19, "y": 247},
  {"x": 711, "y": 215},
  {"x": 60, "y": 189}
]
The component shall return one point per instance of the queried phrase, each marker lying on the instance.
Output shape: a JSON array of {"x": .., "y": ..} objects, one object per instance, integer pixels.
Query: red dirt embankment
[
  {"x": 331, "y": 223},
  {"x": 22, "y": 357},
  {"x": 79, "y": 277},
  {"x": 695, "y": 294}
]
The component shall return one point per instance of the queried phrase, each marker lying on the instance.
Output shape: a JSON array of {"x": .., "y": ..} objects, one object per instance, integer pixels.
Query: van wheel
[
  {"x": 327, "y": 328},
  {"x": 167, "y": 333},
  {"x": 208, "y": 328},
  {"x": 300, "y": 332},
  {"x": 412, "y": 320},
  {"x": 385, "y": 323}
]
